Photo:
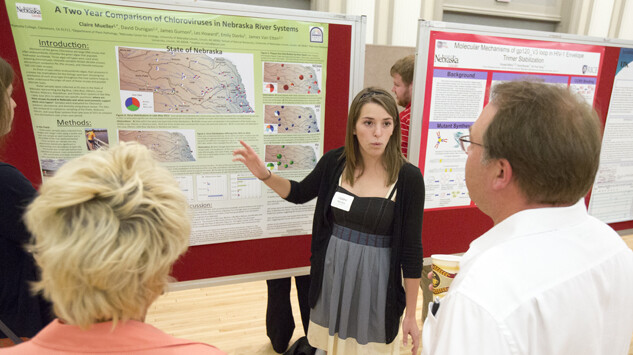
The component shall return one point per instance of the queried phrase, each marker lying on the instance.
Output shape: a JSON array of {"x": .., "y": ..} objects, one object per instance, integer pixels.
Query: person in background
[
  {"x": 402, "y": 74},
  {"x": 547, "y": 278},
  {"x": 366, "y": 232},
  {"x": 280, "y": 323},
  {"x": 23, "y": 313},
  {"x": 90, "y": 136},
  {"x": 106, "y": 230}
]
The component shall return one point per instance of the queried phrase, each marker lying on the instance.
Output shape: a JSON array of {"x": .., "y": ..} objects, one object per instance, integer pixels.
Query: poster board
[
  {"x": 457, "y": 66},
  {"x": 80, "y": 88}
]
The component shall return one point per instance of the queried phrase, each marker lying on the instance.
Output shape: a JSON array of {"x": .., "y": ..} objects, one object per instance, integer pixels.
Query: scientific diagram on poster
[
  {"x": 292, "y": 78},
  {"x": 612, "y": 192},
  {"x": 167, "y": 145},
  {"x": 50, "y": 166},
  {"x": 299, "y": 119},
  {"x": 462, "y": 72},
  {"x": 160, "y": 81},
  {"x": 189, "y": 81},
  {"x": 293, "y": 157}
]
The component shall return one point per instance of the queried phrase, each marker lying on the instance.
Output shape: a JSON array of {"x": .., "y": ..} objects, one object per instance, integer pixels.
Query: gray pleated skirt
[{"x": 351, "y": 306}]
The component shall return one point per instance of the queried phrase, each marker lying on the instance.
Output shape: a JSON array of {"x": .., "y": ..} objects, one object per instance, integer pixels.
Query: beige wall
[
  {"x": 394, "y": 22},
  {"x": 542, "y": 10},
  {"x": 378, "y": 62}
]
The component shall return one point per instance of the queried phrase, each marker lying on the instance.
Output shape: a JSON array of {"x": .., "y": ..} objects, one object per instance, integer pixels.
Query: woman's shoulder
[
  {"x": 410, "y": 170},
  {"x": 334, "y": 153},
  {"x": 410, "y": 178},
  {"x": 12, "y": 179},
  {"x": 6, "y": 168},
  {"x": 10, "y": 172}
]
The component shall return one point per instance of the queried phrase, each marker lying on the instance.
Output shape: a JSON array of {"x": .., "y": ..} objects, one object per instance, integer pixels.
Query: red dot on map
[
  {"x": 277, "y": 78},
  {"x": 285, "y": 87},
  {"x": 318, "y": 92},
  {"x": 300, "y": 77},
  {"x": 282, "y": 65}
]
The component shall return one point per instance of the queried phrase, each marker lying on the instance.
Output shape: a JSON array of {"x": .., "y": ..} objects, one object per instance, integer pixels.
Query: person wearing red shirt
[{"x": 402, "y": 74}]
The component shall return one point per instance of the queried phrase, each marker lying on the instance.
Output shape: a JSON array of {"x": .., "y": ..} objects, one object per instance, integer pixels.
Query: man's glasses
[{"x": 465, "y": 142}]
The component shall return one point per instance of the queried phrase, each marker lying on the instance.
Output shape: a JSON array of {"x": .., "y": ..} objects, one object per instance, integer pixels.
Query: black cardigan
[
  {"x": 22, "y": 312},
  {"x": 406, "y": 245}
]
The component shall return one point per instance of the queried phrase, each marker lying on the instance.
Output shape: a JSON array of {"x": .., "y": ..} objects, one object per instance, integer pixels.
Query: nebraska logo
[
  {"x": 589, "y": 70},
  {"x": 446, "y": 59},
  {"x": 316, "y": 34},
  {"x": 28, "y": 11}
]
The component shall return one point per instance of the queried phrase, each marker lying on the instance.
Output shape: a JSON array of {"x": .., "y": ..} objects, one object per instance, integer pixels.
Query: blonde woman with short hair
[{"x": 107, "y": 229}]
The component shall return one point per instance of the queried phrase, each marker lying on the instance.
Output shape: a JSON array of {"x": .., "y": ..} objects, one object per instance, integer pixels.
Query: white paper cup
[{"x": 445, "y": 268}]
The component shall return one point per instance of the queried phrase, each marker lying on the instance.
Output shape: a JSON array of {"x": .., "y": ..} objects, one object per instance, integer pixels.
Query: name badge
[{"x": 342, "y": 201}]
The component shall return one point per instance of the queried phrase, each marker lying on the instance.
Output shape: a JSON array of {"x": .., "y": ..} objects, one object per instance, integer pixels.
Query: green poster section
[{"x": 65, "y": 89}]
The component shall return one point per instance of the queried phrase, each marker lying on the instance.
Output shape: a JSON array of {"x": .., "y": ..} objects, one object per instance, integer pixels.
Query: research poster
[
  {"x": 461, "y": 71},
  {"x": 188, "y": 85},
  {"x": 612, "y": 193}
]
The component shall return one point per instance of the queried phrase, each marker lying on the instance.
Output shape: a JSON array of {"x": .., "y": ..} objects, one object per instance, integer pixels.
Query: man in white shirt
[{"x": 547, "y": 278}]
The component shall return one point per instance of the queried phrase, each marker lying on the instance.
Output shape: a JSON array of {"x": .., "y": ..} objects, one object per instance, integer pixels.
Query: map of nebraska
[
  {"x": 166, "y": 146},
  {"x": 291, "y": 156},
  {"x": 292, "y": 119},
  {"x": 291, "y": 78},
  {"x": 184, "y": 82}
]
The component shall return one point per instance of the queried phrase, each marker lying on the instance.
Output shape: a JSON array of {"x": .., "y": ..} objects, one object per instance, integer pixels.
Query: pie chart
[{"x": 132, "y": 104}]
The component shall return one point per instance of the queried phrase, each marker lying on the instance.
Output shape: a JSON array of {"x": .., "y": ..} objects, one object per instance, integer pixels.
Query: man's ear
[{"x": 503, "y": 174}]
